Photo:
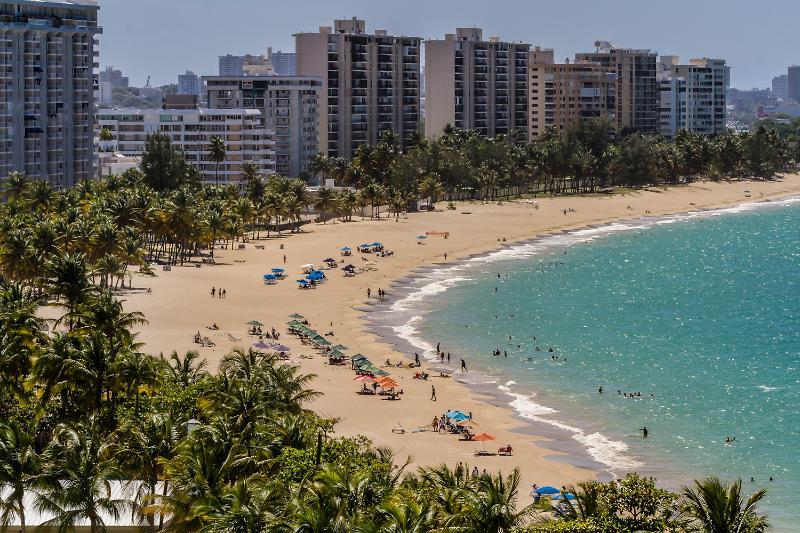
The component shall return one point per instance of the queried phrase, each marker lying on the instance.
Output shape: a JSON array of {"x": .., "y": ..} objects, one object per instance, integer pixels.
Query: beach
[{"x": 179, "y": 304}]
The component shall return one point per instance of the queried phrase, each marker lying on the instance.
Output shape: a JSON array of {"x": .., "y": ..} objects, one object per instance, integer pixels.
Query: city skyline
[{"x": 756, "y": 52}]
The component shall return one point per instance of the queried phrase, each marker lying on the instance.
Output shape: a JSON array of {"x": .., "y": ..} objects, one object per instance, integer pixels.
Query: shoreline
[
  {"x": 179, "y": 305},
  {"x": 554, "y": 435}
]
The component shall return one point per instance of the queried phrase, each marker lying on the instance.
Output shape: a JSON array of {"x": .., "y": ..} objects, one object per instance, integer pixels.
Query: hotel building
[
  {"x": 475, "y": 84},
  {"x": 692, "y": 96},
  {"x": 370, "y": 84},
  {"x": 634, "y": 102},
  {"x": 562, "y": 93}
]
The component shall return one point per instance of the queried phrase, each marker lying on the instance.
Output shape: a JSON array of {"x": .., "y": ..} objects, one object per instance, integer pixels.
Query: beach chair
[{"x": 506, "y": 451}]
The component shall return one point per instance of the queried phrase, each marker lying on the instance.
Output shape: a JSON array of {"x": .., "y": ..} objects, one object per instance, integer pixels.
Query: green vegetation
[
  {"x": 586, "y": 158},
  {"x": 82, "y": 407}
]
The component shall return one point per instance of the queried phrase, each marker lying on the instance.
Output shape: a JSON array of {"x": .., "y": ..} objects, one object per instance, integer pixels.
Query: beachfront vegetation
[
  {"x": 588, "y": 157},
  {"x": 84, "y": 410}
]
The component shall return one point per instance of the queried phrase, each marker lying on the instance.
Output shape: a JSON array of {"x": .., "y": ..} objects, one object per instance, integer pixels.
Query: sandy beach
[{"x": 180, "y": 304}]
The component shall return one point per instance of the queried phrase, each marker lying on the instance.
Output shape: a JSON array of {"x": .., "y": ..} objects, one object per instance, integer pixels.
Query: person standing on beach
[
  {"x": 213, "y": 291},
  {"x": 448, "y": 358},
  {"x": 445, "y": 256},
  {"x": 433, "y": 393},
  {"x": 369, "y": 291},
  {"x": 437, "y": 347},
  {"x": 644, "y": 431},
  {"x": 284, "y": 258},
  {"x": 464, "y": 366}
]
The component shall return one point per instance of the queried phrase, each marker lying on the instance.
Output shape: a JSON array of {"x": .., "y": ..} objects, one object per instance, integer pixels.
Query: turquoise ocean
[{"x": 698, "y": 312}]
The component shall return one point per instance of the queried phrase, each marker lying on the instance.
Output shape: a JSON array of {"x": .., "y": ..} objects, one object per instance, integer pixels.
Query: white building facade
[
  {"x": 691, "y": 96},
  {"x": 191, "y": 130}
]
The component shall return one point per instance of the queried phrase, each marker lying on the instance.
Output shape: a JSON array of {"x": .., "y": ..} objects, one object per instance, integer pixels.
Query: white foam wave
[
  {"x": 765, "y": 388},
  {"x": 602, "y": 449}
]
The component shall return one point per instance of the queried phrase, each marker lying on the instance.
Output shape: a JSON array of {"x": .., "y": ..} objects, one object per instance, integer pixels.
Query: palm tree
[
  {"x": 19, "y": 471},
  {"x": 720, "y": 508},
  {"x": 321, "y": 165},
  {"x": 430, "y": 188},
  {"x": 324, "y": 202},
  {"x": 186, "y": 370},
  {"x": 142, "y": 448},
  {"x": 15, "y": 186},
  {"x": 250, "y": 172},
  {"x": 68, "y": 277},
  {"x": 77, "y": 480},
  {"x": 216, "y": 153}
]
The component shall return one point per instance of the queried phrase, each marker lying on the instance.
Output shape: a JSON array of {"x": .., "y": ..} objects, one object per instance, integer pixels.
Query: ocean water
[{"x": 700, "y": 313}]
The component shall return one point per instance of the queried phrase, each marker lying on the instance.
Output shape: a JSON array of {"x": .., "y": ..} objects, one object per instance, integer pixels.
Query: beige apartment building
[
  {"x": 634, "y": 100},
  {"x": 370, "y": 84},
  {"x": 561, "y": 93},
  {"x": 475, "y": 84},
  {"x": 692, "y": 96}
]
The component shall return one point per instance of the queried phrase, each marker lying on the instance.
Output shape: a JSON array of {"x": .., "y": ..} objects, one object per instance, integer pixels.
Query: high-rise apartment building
[
  {"x": 191, "y": 131},
  {"x": 780, "y": 87},
  {"x": 47, "y": 84},
  {"x": 189, "y": 83},
  {"x": 290, "y": 107},
  {"x": 635, "y": 100},
  {"x": 114, "y": 76},
  {"x": 283, "y": 63},
  {"x": 692, "y": 96},
  {"x": 230, "y": 65},
  {"x": 370, "y": 84},
  {"x": 560, "y": 94},
  {"x": 476, "y": 84},
  {"x": 794, "y": 83}
]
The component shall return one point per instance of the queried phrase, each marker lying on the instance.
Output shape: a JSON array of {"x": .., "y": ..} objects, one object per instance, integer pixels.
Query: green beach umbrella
[
  {"x": 255, "y": 323},
  {"x": 323, "y": 342},
  {"x": 340, "y": 347},
  {"x": 296, "y": 315},
  {"x": 335, "y": 353}
]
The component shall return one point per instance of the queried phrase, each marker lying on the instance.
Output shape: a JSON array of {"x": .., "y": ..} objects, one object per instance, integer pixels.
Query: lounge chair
[
  {"x": 484, "y": 453},
  {"x": 505, "y": 451}
]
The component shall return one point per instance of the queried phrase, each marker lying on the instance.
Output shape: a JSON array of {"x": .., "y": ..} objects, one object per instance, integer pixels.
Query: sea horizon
[{"x": 572, "y": 430}]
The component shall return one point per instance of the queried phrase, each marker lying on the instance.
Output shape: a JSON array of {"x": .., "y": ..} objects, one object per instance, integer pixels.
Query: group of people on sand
[
  {"x": 381, "y": 293},
  {"x": 220, "y": 293}
]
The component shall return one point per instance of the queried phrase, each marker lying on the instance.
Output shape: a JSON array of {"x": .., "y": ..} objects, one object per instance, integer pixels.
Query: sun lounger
[
  {"x": 505, "y": 451},
  {"x": 484, "y": 453},
  {"x": 400, "y": 430}
]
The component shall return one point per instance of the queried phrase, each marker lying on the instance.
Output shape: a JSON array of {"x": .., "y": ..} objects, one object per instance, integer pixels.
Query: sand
[{"x": 180, "y": 305}]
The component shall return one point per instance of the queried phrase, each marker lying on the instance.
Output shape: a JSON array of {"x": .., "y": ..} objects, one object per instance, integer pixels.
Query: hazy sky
[{"x": 162, "y": 38}]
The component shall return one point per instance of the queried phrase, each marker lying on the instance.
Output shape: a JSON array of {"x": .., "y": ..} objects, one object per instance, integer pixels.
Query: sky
[{"x": 163, "y": 38}]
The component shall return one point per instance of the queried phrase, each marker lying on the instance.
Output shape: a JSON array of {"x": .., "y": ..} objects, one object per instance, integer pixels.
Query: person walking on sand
[
  {"x": 369, "y": 291},
  {"x": 435, "y": 425},
  {"x": 433, "y": 393},
  {"x": 463, "y": 366},
  {"x": 213, "y": 291},
  {"x": 284, "y": 258}
]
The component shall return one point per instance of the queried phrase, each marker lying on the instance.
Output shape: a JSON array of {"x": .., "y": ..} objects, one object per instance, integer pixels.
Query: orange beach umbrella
[{"x": 482, "y": 437}]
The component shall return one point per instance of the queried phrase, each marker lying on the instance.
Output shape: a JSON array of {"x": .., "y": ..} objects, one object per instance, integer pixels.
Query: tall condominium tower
[
  {"x": 476, "y": 84},
  {"x": 47, "y": 83},
  {"x": 635, "y": 98},
  {"x": 692, "y": 96},
  {"x": 283, "y": 63},
  {"x": 289, "y": 106},
  {"x": 780, "y": 87},
  {"x": 562, "y": 93},
  {"x": 189, "y": 83},
  {"x": 793, "y": 82},
  {"x": 370, "y": 84}
]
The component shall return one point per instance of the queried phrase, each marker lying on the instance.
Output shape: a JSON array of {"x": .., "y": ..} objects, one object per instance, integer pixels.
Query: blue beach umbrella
[
  {"x": 278, "y": 270},
  {"x": 345, "y": 249},
  {"x": 302, "y": 282},
  {"x": 376, "y": 244},
  {"x": 547, "y": 490},
  {"x": 269, "y": 276},
  {"x": 421, "y": 237},
  {"x": 569, "y": 496}
]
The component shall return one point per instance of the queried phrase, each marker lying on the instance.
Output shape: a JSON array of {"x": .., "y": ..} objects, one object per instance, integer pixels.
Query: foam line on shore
[{"x": 407, "y": 312}]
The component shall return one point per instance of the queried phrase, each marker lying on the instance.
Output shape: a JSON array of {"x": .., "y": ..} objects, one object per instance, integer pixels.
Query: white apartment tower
[
  {"x": 191, "y": 131},
  {"x": 370, "y": 84},
  {"x": 47, "y": 85},
  {"x": 692, "y": 96},
  {"x": 476, "y": 84}
]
